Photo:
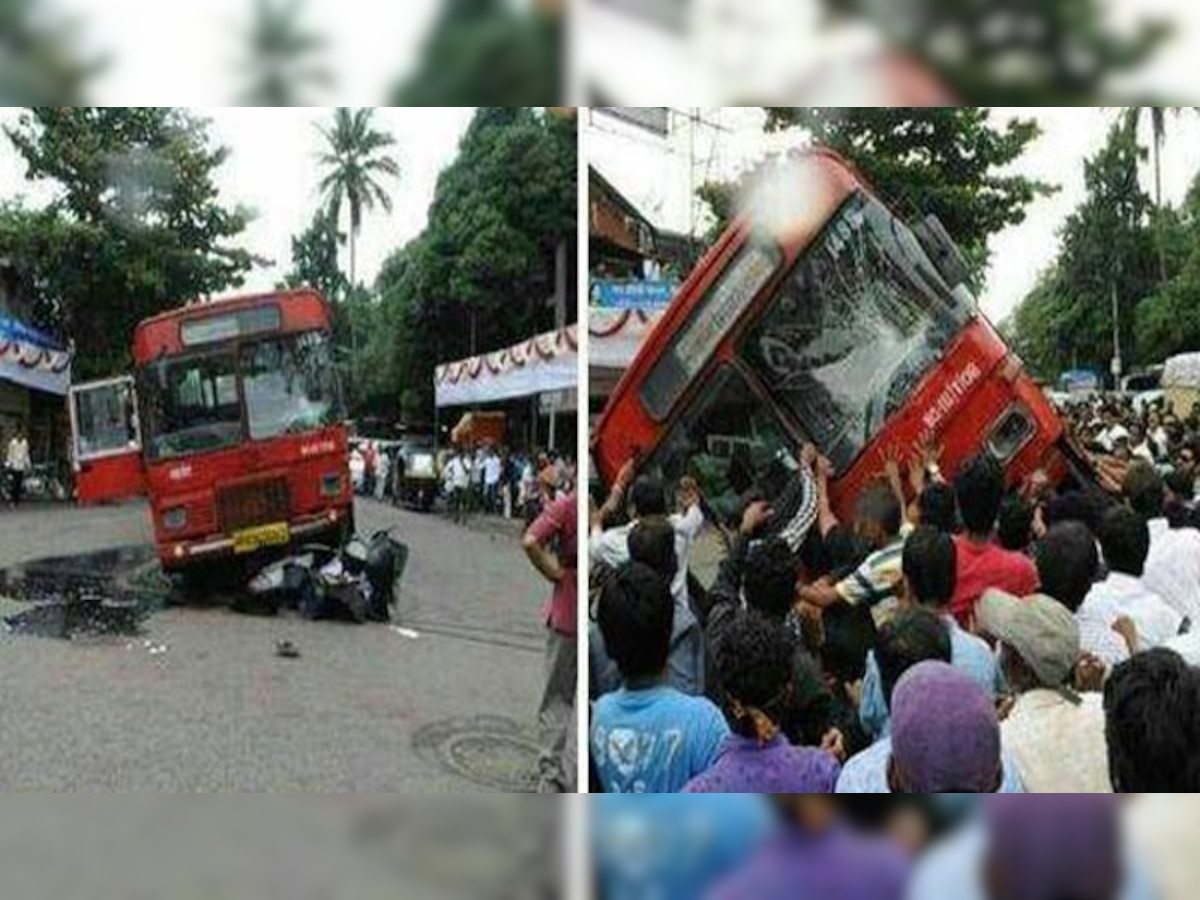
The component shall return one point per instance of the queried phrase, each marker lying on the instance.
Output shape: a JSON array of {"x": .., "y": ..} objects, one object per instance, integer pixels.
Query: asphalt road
[{"x": 199, "y": 702}]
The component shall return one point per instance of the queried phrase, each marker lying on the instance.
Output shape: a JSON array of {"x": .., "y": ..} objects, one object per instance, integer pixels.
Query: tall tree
[
  {"x": 948, "y": 161},
  {"x": 487, "y": 51},
  {"x": 137, "y": 225},
  {"x": 356, "y": 165},
  {"x": 1040, "y": 52},
  {"x": 315, "y": 257},
  {"x": 1158, "y": 140},
  {"x": 42, "y": 59},
  {"x": 283, "y": 57},
  {"x": 1107, "y": 265},
  {"x": 1168, "y": 321}
]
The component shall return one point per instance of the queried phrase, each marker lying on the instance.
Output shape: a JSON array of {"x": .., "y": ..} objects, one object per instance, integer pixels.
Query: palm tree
[
  {"x": 356, "y": 163},
  {"x": 282, "y": 56},
  {"x": 1158, "y": 128}
]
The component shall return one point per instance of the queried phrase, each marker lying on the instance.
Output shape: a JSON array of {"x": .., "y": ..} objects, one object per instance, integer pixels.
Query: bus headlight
[
  {"x": 331, "y": 484},
  {"x": 175, "y": 519}
]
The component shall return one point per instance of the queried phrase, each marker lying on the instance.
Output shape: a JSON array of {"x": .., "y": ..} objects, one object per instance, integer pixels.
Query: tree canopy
[{"x": 136, "y": 226}]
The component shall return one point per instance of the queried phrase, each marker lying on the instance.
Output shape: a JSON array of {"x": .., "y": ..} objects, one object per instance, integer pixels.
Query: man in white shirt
[
  {"x": 492, "y": 469},
  {"x": 1125, "y": 541},
  {"x": 17, "y": 464},
  {"x": 458, "y": 485},
  {"x": 1173, "y": 564}
]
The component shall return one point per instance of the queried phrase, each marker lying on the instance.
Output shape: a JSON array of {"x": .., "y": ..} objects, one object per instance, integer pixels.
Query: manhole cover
[{"x": 487, "y": 750}]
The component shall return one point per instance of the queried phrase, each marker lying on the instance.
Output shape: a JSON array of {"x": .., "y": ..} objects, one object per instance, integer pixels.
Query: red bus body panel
[
  {"x": 111, "y": 479},
  {"x": 955, "y": 405}
]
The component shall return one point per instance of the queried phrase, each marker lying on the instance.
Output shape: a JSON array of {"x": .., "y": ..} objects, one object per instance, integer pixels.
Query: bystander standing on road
[{"x": 17, "y": 466}]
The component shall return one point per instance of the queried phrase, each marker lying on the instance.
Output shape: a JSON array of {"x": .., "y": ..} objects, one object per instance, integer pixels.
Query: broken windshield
[{"x": 853, "y": 329}]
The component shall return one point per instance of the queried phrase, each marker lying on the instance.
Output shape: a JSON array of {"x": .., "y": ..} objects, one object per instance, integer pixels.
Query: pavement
[{"x": 442, "y": 701}]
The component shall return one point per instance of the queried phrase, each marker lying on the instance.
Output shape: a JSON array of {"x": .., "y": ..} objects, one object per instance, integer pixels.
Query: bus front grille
[{"x": 256, "y": 503}]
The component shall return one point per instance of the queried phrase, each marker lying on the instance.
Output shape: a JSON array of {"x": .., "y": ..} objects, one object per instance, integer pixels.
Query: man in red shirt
[
  {"x": 551, "y": 544},
  {"x": 982, "y": 563}
]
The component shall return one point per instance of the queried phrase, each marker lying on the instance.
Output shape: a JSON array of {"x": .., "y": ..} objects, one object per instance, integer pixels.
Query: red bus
[
  {"x": 837, "y": 324},
  {"x": 233, "y": 425}
]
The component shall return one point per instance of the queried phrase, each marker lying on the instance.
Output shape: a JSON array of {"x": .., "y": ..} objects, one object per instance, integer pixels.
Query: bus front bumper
[{"x": 184, "y": 554}]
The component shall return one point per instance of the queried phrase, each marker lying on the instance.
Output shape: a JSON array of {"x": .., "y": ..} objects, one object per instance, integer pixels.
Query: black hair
[
  {"x": 843, "y": 551},
  {"x": 753, "y": 658},
  {"x": 636, "y": 616},
  {"x": 1144, "y": 489},
  {"x": 914, "y": 636},
  {"x": 652, "y": 542},
  {"x": 1076, "y": 506},
  {"x": 648, "y": 497},
  {"x": 1067, "y": 563},
  {"x": 849, "y": 635},
  {"x": 979, "y": 488},
  {"x": 1125, "y": 540},
  {"x": 1152, "y": 716},
  {"x": 1182, "y": 486},
  {"x": 769, "y": 578},
  {"x": 878, "y": 505},
  {"x": 931, "y": 566},
  {"x": 1015, "y": 528},
  {"x": 939, "y": 507}
]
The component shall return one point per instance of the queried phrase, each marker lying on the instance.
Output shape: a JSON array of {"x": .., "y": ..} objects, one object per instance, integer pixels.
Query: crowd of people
[
  {"x": 912, "y": 847},
  {"x": 495, "y": 481},
  {"x": 959, "y": 635}
]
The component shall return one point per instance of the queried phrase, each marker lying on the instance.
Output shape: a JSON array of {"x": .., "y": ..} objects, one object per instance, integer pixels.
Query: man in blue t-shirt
[
  {"x": 648, "y": 738},
  {"x": 674, "y": 846}
]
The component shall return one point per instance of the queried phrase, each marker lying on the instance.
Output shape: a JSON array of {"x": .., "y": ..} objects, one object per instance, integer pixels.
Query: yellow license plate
[{"x": 264, "y": 536}]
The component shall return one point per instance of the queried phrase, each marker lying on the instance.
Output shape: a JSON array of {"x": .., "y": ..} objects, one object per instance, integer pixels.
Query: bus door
[{"x": 106, "y": 441}]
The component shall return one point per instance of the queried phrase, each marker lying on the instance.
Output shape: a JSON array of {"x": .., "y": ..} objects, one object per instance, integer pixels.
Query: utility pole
[{"x": 1116, "y": 360}]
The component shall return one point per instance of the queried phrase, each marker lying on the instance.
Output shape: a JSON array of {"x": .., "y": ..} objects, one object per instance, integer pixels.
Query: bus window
[
  {"x": 728, "y": 440},
  {"x": 290, "y": 385},
  {"x": 105, "y": 419},
  {"x": 852, "y": 330},
  {"x": 191, "y": 405}
]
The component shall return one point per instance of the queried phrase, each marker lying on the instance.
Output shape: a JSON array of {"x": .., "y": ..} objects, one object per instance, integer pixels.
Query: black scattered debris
[{"x": 287, "y": 650}]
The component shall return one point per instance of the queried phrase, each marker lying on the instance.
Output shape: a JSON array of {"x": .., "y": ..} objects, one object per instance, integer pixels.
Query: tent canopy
[{"x": 539, "y": 365}]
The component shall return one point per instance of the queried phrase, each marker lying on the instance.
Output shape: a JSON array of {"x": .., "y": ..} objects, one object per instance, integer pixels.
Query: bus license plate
[{"x": 264, "y": 536}]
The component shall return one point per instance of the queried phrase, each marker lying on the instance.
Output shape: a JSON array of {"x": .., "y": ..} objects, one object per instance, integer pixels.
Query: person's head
[
  {"x": 753, "y": 658},
  {"x": 979, "y": 488},
  {"x": 1152, "y": 715},
  {"x": 1125, "y": 540},
  {"x": 849, "y": 633},
  {"x": 914, "y": 636},
  {"x": 930, "y": 567},
  {"x": 769, "y": 579},
  {"x": 652, "y": 542},
  {"x": 938, "y": 507},
  {"x": 636, "y": 616},
  {"x": 945, "y": 734},
  {"x": 1185, "y": 460},
  {"x": 647, "y": 497},
  {"x": 1045, "y": 847},
  {"x": 1181, "y": 487},
  {"x": 1015, "y": 524},
  {"x": 1038, "y": 637},
  {"x": 1067, "y": 563},
  {"x": 1075, "y": 506},
  {"x": 877, "y": 515},
  {"x": 1144, "y": 489}
]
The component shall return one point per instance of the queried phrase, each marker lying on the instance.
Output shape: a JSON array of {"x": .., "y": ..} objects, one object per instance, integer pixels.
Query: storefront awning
[
  {"x": 33, "y": 360},
  {"x": 537, "y": 366}
]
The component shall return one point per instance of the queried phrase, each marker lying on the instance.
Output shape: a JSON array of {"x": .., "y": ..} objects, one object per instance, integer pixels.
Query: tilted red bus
[
  {"x": 824, "y": 318},
  {"x": 233, "y": 424}
]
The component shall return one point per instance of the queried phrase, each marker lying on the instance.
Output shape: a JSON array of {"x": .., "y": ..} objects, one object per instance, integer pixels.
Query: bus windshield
[
  {"x": 198, "y": 404},
  {"x": 852, "y": 330}
]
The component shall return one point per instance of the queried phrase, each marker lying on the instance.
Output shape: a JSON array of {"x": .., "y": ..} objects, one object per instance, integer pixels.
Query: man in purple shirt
[
  {"x": 754, "y": 659},
  {"x": 817, "y": 854}
]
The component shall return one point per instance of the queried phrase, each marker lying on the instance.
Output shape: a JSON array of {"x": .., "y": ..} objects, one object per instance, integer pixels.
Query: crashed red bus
[
  {"x": 232, "y": 424},
  {"x": 826, "y": 320}
]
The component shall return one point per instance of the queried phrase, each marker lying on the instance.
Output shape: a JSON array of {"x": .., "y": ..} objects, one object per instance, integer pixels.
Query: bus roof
[{"x": 303, "y": 309}]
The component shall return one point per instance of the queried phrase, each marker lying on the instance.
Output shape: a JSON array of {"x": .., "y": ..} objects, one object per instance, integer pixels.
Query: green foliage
[
  {"x": 282, "y": 63},
  {"x": 485, "y": 51},
  {"x": 947, "y": 161},
  {"x": 1038, "y": 52},
  {"x": 1168, "y": 321},
  {"x": 315, "y": 257},
  {"x": 137, "y": 227},
  {"x": 479, "y": 277},
  {"x": 1108, "y": 245},
  {"x": 41, "y": 60}
]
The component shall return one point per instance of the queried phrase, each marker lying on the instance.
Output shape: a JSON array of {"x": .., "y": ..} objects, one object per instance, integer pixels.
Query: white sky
[
  {"x": 656, "y": 176},
  {"x": 273, "y": 170}
]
